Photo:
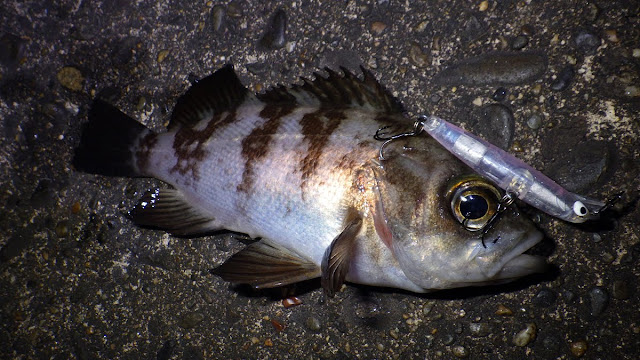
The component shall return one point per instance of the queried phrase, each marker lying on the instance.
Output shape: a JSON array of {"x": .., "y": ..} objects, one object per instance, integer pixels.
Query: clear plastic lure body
[{"x": 510, "y": 173}]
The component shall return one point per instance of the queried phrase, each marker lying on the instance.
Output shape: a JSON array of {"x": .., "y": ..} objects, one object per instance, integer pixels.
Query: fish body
[{"x": 299, "y": 168}]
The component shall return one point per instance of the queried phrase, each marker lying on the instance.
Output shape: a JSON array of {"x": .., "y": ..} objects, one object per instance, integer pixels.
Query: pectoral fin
[
  {"x": 337, "y": 257},
  {"x": 265, "y": 265}
]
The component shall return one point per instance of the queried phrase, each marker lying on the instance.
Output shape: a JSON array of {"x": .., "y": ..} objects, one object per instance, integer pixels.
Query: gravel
[{"x": 79, "y": 280}]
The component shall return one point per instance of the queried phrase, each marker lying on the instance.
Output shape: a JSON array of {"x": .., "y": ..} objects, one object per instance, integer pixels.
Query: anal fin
[
  {"x": 167, "y": 209},
  {"x": 264, "y": 264},
  {"x": 337, "y": 258}
]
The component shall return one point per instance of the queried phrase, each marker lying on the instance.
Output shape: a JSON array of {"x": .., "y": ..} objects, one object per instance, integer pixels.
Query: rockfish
[{"x": 298, "y": 168}]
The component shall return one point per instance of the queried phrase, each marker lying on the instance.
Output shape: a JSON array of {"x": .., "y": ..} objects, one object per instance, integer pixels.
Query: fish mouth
[{"x": 519, "y": 264}]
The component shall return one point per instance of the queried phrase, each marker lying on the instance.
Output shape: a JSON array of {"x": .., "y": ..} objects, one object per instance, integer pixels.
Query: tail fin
[{"x": 108, "y": 142}]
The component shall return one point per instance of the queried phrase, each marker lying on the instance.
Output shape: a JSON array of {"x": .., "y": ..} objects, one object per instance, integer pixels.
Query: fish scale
[{"x": 299, "y": 168}]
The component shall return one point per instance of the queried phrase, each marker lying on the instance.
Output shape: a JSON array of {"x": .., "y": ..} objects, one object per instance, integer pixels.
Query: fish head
[{"x": 444, "y": 221}]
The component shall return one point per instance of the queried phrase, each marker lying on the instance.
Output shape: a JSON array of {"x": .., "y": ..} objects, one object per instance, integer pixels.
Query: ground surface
[{"x": 78, "y": 280}]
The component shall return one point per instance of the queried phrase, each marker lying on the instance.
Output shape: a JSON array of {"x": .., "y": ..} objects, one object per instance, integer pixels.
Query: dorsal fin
[
  {"x": 337, "y": 91},
  {"x": 218, "y": 92}
]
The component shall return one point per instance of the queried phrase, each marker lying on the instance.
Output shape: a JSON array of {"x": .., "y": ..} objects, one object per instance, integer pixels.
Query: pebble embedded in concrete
[{"x": 495, "y": 69}]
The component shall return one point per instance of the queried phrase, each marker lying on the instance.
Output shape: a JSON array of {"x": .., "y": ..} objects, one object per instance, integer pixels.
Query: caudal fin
[{"x": 108, "y": 142}]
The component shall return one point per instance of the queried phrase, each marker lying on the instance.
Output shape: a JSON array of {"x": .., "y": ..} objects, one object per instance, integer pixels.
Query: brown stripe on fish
[
  {"x": 257, "y": 144},
  {"x": 189, "y": 143},
  {"x": 317, "y": 127},
  {"x": 143, "y": 152}
]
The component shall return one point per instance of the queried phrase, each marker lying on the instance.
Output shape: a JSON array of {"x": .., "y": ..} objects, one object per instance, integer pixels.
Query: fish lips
[{"x": 517, "y": 264}]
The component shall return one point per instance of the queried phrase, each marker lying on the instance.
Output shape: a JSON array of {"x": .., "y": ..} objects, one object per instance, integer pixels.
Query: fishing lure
[{"x": 511, "y": 174}]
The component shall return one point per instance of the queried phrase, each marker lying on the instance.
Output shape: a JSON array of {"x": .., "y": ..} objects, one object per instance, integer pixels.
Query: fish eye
[{"x": 474, "y": 201}]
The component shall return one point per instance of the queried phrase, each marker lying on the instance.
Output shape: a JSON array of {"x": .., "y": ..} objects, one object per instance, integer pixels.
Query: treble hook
[
  {"x": 503, "y": 204},
  {"x": 609, "y": 204},
  {"x": 418, "y": 126}
]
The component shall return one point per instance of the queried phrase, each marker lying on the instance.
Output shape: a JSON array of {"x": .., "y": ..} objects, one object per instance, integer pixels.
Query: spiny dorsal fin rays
[
  {"x": 337, "y": 91},
  {"x": 337, "y": 258},
  {"x": 214, "y": 94}
]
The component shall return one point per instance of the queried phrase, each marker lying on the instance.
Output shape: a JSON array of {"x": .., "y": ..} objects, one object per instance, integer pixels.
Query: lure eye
[
  {"x": 474, "y": 201},
  {"x": 579, "y": 209}
]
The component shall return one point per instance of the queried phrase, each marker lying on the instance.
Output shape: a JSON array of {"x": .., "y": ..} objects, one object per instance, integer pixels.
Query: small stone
[
  {"x": 513, "y": 68},
  {"x": 525, "y": 336},
  {"x": 527, "y": 29},
  {"x": 544, "y": 298},
  {"x": 484, "y": 5},
  {"x": 500, "y": 94},
  {"x": 257, "y": 68},
  {"x": 394, "y": 333},
  {"x": 313, "y": 324},
  {"x": 190, "y": 319},
  {"x": 76, "y": 207},
  {"x": 268, "y": 343},
  {"x": 536, "y": 89},
  {"x": 535, "y": 121},
  {"x": 62, "y": 229},
  {"x": 277, "y": 325},
  {"x": 234, "y": 9},
  {"x": 479, "y": 329},
  {"x": 290, "y": 46},
  {"x": 435, "y": 98},
  {"x": 632, "y": 91},
  {"x": 417, "y": 56},
  {"x": 428, "y": 307},
  {"x": 71, "y": 78},
  {"x": 592, "y": 12},
  {"x": 519, "y": 42},
  {"x": 460, "y": 351},
  {"x": 578, "y": 348},
  {"x": 580, "y": 167},
  {"x": 162, "y": 55},
  {"x": 11, "y": 49},
  {"x": 587, "y": 42},
  {"x": 620, "y": 290},
  {"x": 516, "y": 147},
  {"x": 448, "y": 339},
  {"x": 422, "y": 26},
  {"x": 496, "y": 124},
  {"x": 275, "y": 34},
  {"x": 428, "y": 340},
  {"x": 142, "y": 102},
  {"x": 378, "y": 27},
  {"x": 636, "y": 53},
  {"x": 599, "y": 300},
  {"x": 608, "y": 257},
  {"x": 563, "y": 80},
  {"x": 503, "y": 311},
  {"x": 596, "y": 238},
  {"x": 612, "y": 35},
  {"x": 218, "y": 13},
  {"x": 291, "y": 301},
  {"x": 473, "y": 28}
]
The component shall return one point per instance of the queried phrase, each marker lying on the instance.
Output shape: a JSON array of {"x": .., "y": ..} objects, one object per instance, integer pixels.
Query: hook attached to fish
[{"x": 511, "y": 174}]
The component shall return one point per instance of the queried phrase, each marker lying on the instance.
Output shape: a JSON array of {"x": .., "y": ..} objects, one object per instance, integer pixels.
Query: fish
[{"x": 299, "y": 169}]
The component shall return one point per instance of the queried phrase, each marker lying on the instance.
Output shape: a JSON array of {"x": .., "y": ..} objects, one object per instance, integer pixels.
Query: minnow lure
[{"x": 510, "y": 173}]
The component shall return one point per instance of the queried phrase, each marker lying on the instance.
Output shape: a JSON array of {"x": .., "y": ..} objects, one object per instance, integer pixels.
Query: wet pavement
[{"x": 556, "y": 83}]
